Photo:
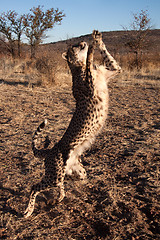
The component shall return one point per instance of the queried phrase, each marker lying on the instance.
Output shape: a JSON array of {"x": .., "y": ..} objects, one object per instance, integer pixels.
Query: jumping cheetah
[{"x": 91, "y": 94}]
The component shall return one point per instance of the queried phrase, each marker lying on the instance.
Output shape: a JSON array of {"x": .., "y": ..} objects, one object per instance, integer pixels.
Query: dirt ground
[{"x": 120, "y": 199}]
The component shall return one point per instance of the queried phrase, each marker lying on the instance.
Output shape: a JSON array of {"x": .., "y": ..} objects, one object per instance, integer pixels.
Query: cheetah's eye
[{"x": 82, "y": 45}]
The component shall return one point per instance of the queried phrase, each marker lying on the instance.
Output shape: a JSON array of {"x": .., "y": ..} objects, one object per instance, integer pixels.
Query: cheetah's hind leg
[
  {"x": 31, "y": 204},
  {"x": 36, "y": 189},
  {"x": 79, "y": 170}
]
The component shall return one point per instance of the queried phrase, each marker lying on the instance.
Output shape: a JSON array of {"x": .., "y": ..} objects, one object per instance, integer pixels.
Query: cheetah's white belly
[
  {"x": 72, "y": 162},
  {"x": 101, "y": 90}
]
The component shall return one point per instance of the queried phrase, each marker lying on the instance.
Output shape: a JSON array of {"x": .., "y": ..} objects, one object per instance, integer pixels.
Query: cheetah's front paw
[{"x": 97, "y": 36}]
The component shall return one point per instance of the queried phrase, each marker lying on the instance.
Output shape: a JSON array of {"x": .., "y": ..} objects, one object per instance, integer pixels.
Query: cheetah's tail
[{"x": 41, "y": 153}]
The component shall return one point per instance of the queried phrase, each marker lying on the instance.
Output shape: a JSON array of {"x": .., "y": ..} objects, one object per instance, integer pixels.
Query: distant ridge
[{"x": 114, "y": 40}]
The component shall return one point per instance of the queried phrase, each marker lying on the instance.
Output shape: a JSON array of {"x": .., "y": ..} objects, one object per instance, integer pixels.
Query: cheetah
[{"x": 91, "y": 95}]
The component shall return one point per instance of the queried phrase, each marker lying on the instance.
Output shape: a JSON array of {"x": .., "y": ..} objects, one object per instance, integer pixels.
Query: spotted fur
[{"x": 91, "y": 94}]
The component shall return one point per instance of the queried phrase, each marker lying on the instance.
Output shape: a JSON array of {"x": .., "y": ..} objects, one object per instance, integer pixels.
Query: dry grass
[
  {"x": 41, "y": 71},
  {"x": 51, "y": 69},
  {"x": 149, "y": 63}
]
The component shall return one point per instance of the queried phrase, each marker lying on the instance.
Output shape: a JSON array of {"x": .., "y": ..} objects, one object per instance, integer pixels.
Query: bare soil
[{"x": 121, "y": 198}]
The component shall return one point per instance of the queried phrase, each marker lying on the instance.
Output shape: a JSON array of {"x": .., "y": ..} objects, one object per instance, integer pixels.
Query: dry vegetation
[{"x": 120, "y": 200}]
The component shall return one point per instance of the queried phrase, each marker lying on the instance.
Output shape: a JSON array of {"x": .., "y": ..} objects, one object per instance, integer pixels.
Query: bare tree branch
[
  {"x": 11, "y": 25},
  {"x": 136, "y": 40},
  {"x": 37, "y": 22}
]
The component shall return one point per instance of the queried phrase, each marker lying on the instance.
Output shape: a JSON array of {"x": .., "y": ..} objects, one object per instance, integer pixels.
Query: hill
[{"x": 113, "y": 40}]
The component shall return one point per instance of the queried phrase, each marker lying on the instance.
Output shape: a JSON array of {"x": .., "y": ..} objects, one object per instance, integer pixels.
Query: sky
[{"x": 82, "y": 16}]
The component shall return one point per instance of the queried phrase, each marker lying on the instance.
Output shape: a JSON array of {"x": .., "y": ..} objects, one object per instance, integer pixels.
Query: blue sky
[{"x": 82, "y": 16}]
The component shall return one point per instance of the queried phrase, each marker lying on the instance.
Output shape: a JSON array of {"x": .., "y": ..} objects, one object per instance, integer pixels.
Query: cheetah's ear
[{"x": 64, "y": 56}]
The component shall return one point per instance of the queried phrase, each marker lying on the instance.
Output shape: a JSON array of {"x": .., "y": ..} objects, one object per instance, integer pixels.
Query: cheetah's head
[{"x": 77, "y": 54}]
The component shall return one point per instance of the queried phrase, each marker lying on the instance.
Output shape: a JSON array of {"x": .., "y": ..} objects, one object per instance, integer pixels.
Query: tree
[
  {"x": 3, "y": 44},
  {"x": 137, "y": 38},
  {"x": 37, "y": 22},
  {"x": 17, "y": 27},
  {"x": 6, "y": 30},
  {"x": 11, "y": 25}
]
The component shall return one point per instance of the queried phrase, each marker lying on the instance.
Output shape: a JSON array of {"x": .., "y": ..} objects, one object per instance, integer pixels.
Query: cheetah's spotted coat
[{"x": 91, "y": 94}]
